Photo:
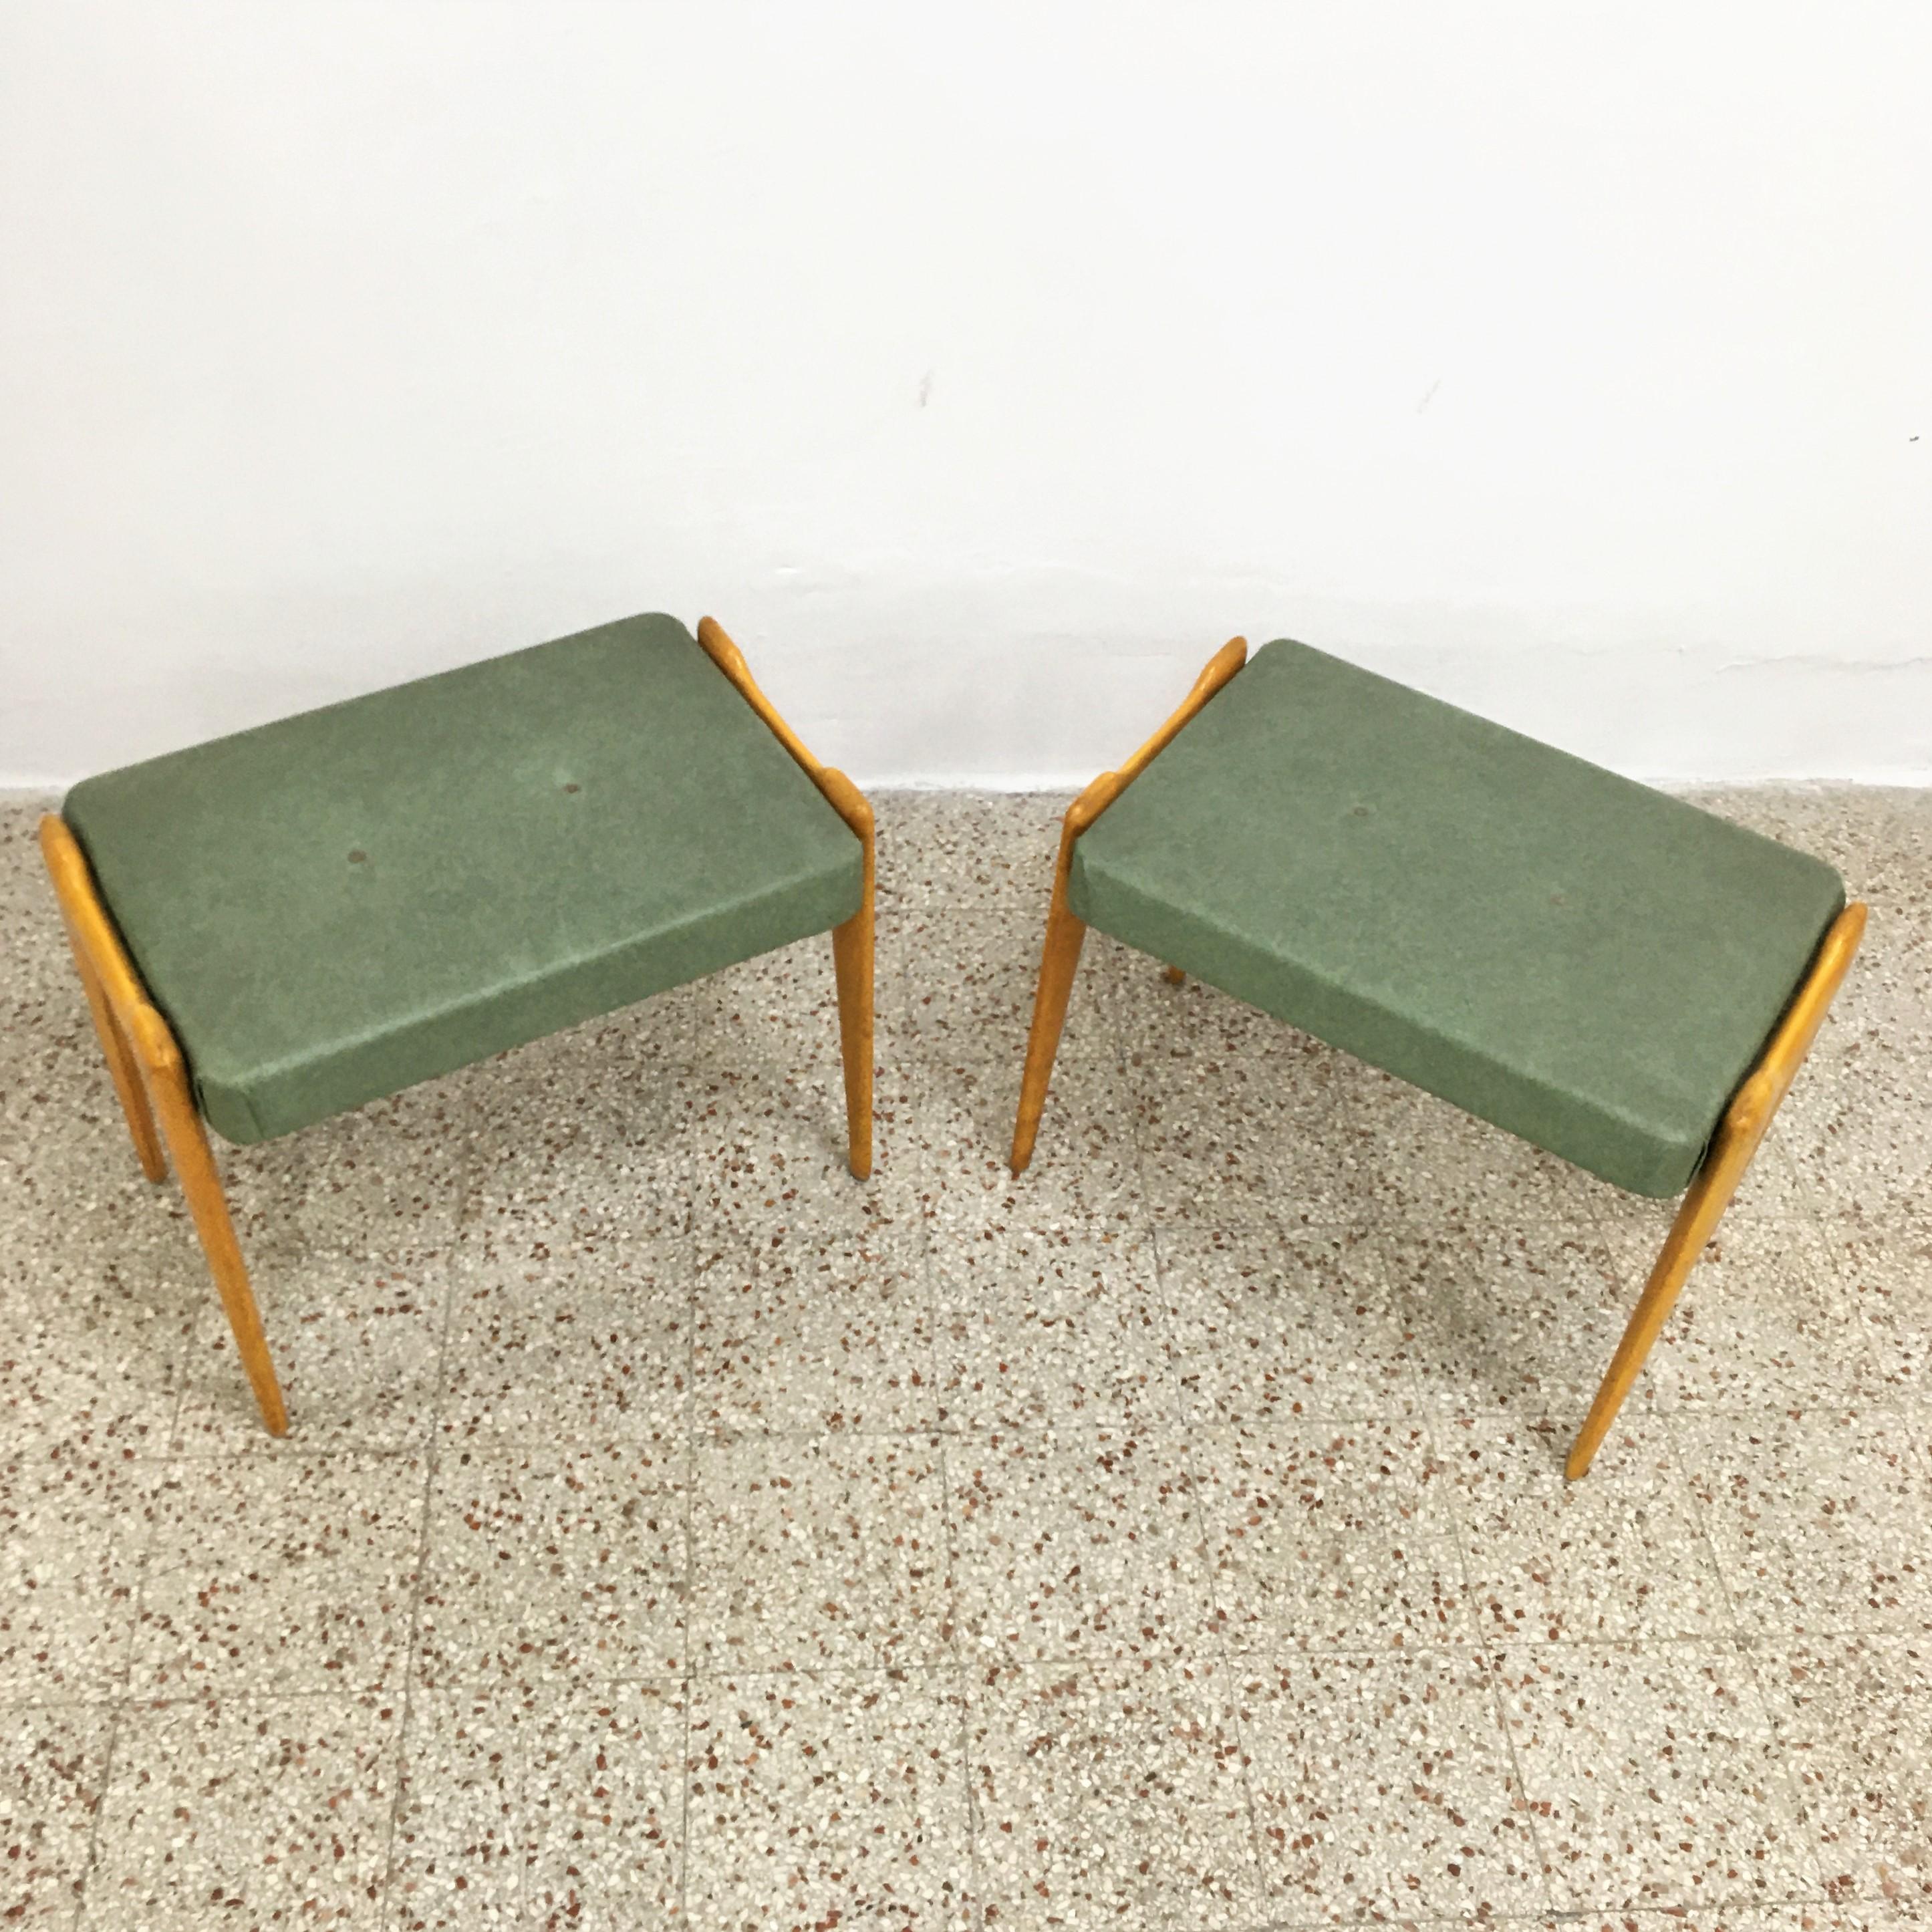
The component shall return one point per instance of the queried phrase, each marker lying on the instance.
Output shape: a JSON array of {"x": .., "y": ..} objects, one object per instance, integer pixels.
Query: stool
[
  {"x": 1613, "y": 975},
  {"x": 280, "y": 925}
]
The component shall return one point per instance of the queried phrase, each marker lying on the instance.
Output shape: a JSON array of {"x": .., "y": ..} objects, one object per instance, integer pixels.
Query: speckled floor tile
[
  {"x": 1270, "y": 1319},
  {"x": 1654, "y": 1778},
  {"x": 1086, "y": 1167},
  {"x": 965, "y": 990},
  {"x": 46, "y": 1036},
  {"x": 1042, "y": 1262},
  {"x": 95, "y": 1361},
  {"x": 70, "y": 1542},
  {"x": 1076, "y": 1543},
  {"x": 1850, "y": 1915},
  {"x": 553, "y": 1809},
  {"x": 953, "y": 1167},
  {"x": 1383, "y": 1788},
  {"x": 1128, "y": 988},
  {"x": 1817, "y": 1518},
  {"x": 1035, "y": 1327},
  {"x": 1148, "y": 1519},
  {"x": 1112, "y": 1795},
  {"x": 968, "y": 849},
  {"x": 1773, "y": 1189},
  {"x": 1754, "y": 1328},
  {"x": 1170, "y": 1035},
  {"x": 1881, "y": 1006},
  {"x": 558, "y": 1137},
  {"x": 822, "y": 1799},
  {"x": 1229, "y": 1137},
  {"x": 826, "y": 1551},
  {"x": 568, "y": 1337},
  {"x": 358, "y": 1348},
  {"x": 827, "y": 1332},
  {"x": 635, "y": 1046},
  {"x": 769, "y": 1151},
  {"x": 769, "y": 1016},
  {"x": 1622, "y": 1555},
  {"x": 1522, "y": 1324},
  {"x": 273, "y": 1570},
  {"x": 385, "y": 1179},
  {"x": 53, "y": 1760},
  {"x": 252, "y": 1811},
  {"x": 78, "y": 1209},
  {"x": 553, "y": 1562},
  {"x": 1430, "y": 1167},
  {"x": 1859, "y": 1134},
  {"x": 1882, "y": 1284},
  {"x": 1849, "y": 1715},
  {"x": 1328, "y": 1536},
  {"x": 1811, "y": 1915}
]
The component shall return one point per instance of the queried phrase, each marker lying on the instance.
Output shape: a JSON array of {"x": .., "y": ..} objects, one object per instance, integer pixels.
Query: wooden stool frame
[
  {"x": 1739, "y": 1133},
  {"x": 151, "y": 1075}
]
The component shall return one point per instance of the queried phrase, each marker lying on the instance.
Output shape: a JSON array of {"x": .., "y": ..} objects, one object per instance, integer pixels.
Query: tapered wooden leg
[
  {"x": 1697, "y": 1218},
  {"x": 121, "y": 1065},
  {"x": 1746, "y": 1121},
  {"x": 852, "y": 961},
  {"x": 1060, "y": 956},
  {"x": 194, "y": 1163}
]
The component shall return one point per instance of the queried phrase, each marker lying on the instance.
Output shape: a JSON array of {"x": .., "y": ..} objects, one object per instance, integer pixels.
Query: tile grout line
[
  {"x": 90, "y": 1861},
  {"x": 688, "y": 1688},
  {"x": 1743, "y": 1646},
  {"x": 1217, "y": 1645},
  {"x": 118, "y": 1705},
  {"x": 1431, "y": 1424},
  {"x": 1482, "y": 1652},
  {"x": 954, "y": 1669},
  {"x": 958, "y": 1669},
  {"x": 431, "y": 1458},
  {"x": 1429, "y": 1419}
]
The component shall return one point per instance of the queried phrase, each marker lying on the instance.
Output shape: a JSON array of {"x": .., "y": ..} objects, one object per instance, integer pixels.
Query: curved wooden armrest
[
  {"x": 95, "y": 938},
  {"x": 844, "y": 797},
  {"x": 1060, "y": 951},
  {"x": 1103, "y": 791}
]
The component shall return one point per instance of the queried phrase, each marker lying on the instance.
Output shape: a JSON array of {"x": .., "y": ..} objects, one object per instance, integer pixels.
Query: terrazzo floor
[{"x": 674, "y": 1531}]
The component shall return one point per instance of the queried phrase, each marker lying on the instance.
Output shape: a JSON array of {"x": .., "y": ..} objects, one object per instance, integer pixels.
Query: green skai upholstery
[
  {"x": 1578, "y": 959},
  {"x": 336, "y": 906}
]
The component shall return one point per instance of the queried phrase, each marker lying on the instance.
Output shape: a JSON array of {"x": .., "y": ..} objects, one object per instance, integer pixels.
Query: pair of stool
[{"x": 285, "y": 924}]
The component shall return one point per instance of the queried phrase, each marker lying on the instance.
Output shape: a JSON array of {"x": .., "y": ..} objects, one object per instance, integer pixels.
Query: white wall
[{"x": 981, "y": 369}]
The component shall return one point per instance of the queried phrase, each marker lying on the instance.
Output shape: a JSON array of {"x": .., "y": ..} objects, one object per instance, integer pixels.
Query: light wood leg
[
  {"x": 122, "y": 1066},
  {"x": 1066, "y": 931},
  {"x": 852, "y": 946},
  {"x": 194, "y": 1163},
  {"x": 852, "y": 961},
  {"x": 1059, "y": 956},
  {"x": 1697, "y": 1218},
  {"x": 851, "y": 942},
  {"x": 152, "y": 1082},
  {"x": 1739, "y": 1134}
]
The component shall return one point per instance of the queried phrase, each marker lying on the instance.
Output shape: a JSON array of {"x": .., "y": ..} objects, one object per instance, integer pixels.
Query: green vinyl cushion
[
  {"x": 1576, "y": 958},
  {"x": 337, "y": 905}
]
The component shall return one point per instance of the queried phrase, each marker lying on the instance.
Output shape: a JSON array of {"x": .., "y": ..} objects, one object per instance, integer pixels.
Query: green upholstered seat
[
  {"x": 331, "y": 908},
  {"x": 1576, "y": 958}
]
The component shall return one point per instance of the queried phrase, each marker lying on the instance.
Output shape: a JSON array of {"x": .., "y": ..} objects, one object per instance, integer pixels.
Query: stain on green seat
[
  {"x": 1577, "y": 958},
  {"x": 334, "y": 907}
]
